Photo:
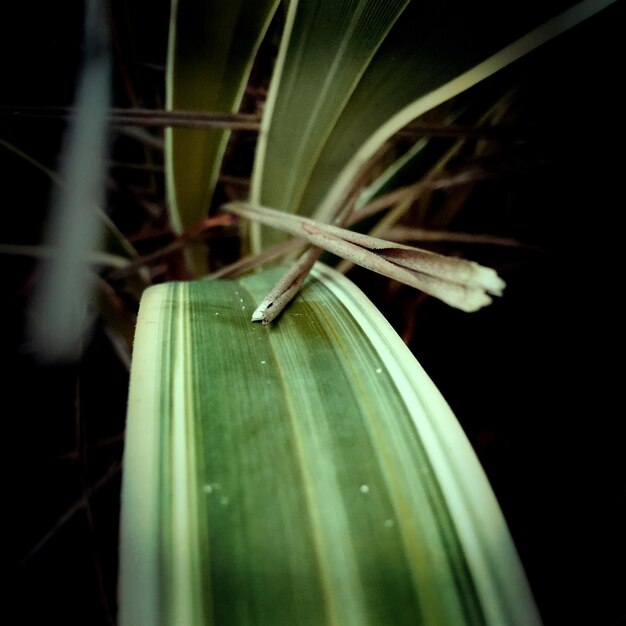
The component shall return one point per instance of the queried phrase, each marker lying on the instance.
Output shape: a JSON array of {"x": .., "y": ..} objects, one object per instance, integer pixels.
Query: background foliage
[{"x": 531, "y": 379}]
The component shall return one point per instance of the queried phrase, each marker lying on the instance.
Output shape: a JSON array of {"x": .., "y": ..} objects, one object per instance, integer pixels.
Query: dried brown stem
[
  {"x": 193, "y": 234},
  {"x": 145, "y": 117},
  {"x": 459, "y": 283}
]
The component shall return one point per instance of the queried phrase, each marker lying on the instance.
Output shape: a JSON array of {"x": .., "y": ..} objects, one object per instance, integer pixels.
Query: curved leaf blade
[
  {"x": 212, "y": 45},
  {"x": 307, "y": 473},
  {"x": 323, "y": 123},
  {"x": 462, "y": 49},
  {"x": 326, "y": 47}
]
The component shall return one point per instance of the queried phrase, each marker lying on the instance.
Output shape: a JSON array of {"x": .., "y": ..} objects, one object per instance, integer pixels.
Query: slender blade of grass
[{"x": 211, "y": 48}]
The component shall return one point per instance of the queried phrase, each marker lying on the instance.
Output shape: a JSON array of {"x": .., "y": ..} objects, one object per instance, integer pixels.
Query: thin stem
[
  {"x": 244, "y": 121},
  {"x": 192, "y": 235},
  {"x": 145, "y": 117},
  {"x": 113, "y": 470}
]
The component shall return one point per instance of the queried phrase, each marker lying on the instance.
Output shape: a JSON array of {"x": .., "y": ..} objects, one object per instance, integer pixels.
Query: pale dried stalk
[
  {"x": 286, "y": 288},
  {"x": 408, "y": 233},
  {"x": 462, "y": 284},
  {"x": 289, "y": 284},
  {"x": 96, "y": 257},
  {"x": 401, "y": 200}
]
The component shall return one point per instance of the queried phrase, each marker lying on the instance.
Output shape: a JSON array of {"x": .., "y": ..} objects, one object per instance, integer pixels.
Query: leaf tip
[
  {"x": 489, "y": 280},
  {"x": 260, "y": 315}
]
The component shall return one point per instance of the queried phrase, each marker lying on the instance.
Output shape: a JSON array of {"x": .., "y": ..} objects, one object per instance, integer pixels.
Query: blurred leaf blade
[
  {"x": 309, "y": 473},
  {"x": 211, "y": 49},
  {"x": 59, "y": 319}
]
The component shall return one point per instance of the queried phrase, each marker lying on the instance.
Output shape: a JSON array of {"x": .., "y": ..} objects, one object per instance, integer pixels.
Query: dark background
[{"x": 535, "y": 379}]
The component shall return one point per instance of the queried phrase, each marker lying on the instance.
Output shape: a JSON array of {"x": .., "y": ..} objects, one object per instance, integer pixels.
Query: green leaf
[
  {"x": 326, "y": 47},
  {"x": 302, "y": 473},
  {"x": 459, "y": 45},
  {"x": 314, "y": 145},
  {"x": 211, "y": 48}
]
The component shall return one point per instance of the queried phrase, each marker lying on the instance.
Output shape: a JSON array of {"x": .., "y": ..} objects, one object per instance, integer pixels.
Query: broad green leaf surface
[
  {"x": 211, "y": 48},
  {"x": 303, "y": 473}
]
